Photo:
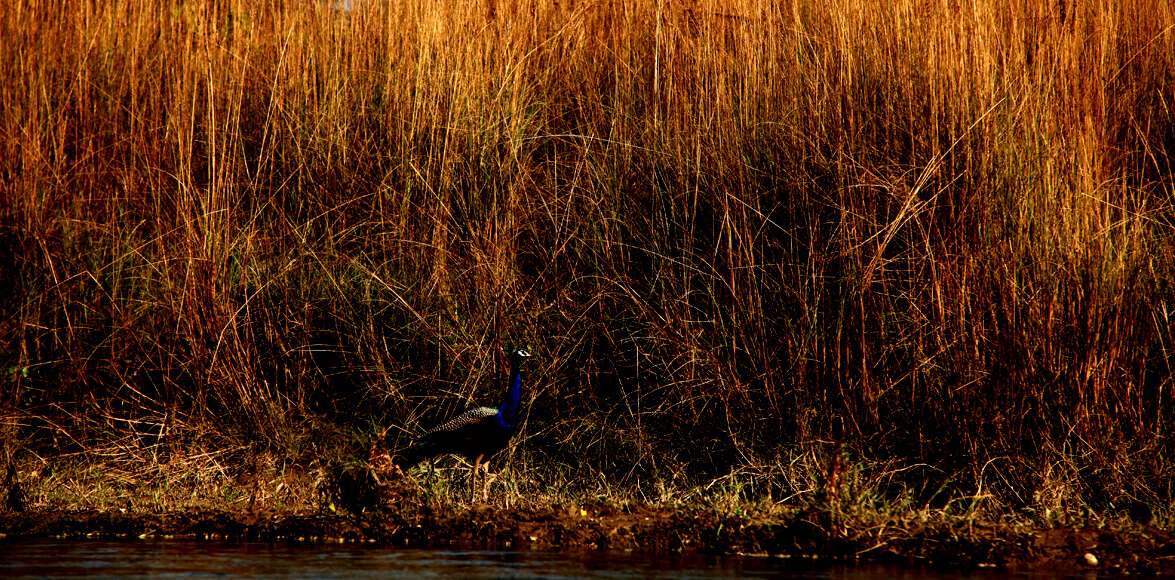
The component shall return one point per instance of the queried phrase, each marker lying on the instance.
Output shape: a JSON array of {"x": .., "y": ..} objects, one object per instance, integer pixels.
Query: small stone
[{"x": 1090, "y": 559}]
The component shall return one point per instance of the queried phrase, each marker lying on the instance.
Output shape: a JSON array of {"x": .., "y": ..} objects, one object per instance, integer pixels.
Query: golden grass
[{"x": 936, "y": 231}]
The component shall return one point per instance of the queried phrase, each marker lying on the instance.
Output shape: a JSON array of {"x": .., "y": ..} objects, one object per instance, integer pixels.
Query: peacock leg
[
  {"x": 487, "y": 480},
  {"x": 473, "y": 478}
]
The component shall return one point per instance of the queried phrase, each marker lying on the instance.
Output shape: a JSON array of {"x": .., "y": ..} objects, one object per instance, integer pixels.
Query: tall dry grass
[{"x": 938, "y": 232}]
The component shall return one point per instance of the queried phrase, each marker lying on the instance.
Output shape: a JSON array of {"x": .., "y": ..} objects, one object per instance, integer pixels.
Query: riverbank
[
  {"x": 1118, "y": 547},
  {"x": 372, "y": 502}
]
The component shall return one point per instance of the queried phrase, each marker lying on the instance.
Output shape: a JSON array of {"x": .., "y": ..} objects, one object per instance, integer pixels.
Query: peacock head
[{"x": 518, "y": 355}]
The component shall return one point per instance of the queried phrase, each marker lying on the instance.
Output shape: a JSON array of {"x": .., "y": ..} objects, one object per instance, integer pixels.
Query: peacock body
[{"x": 478, "y": 433}]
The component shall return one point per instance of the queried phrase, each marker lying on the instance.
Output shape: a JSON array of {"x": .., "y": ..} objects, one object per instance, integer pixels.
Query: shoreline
[{"x": 1124, "y": 548}]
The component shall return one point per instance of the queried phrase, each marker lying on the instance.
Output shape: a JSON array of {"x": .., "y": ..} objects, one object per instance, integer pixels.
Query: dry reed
[{"x": 937, "y": 232}]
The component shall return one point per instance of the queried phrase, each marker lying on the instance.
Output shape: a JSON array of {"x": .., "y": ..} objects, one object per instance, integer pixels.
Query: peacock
[{"x": 476, "y": 434}]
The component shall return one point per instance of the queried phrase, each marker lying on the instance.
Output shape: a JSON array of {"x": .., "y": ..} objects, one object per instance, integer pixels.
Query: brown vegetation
[{"x": 938, "y": 235}]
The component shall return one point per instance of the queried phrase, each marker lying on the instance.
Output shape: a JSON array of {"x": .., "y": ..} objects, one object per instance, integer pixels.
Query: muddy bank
[{"x": 1134, "y": 549}]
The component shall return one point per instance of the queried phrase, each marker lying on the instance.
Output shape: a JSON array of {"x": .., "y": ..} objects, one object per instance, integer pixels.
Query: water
[{"x": 187, "y": 559}]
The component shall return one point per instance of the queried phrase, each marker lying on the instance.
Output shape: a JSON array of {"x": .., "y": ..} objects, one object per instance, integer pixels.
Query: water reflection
[{"x": 182, "y": 559}]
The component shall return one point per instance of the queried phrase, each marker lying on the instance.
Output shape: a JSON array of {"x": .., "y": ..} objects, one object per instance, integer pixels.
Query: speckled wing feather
[
  {"x": 452, "y": 436},
  {"x": 470, "y": 417}
]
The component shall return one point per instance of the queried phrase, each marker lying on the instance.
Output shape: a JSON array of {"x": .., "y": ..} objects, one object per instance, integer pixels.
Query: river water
[{"x": 190, "y": 559}]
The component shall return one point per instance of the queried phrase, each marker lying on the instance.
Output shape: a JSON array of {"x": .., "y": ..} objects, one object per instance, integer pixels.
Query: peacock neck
[{"x": 508, "y": 411}]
